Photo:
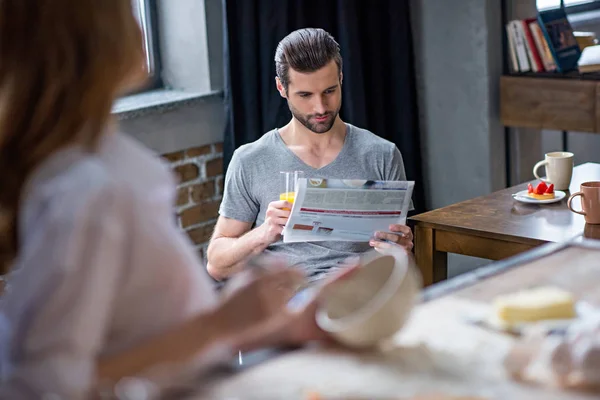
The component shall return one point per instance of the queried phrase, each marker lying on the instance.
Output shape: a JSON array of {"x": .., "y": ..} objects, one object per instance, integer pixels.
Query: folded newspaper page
[{"x": 346, "y": 210}]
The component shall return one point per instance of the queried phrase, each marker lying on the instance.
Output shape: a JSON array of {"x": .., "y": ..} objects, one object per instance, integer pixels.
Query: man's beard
[{"x": 314, "y": 126}]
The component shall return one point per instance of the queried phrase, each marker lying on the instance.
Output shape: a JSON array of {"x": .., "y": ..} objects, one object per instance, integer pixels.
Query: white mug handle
[{"x": 536, "y": 167}]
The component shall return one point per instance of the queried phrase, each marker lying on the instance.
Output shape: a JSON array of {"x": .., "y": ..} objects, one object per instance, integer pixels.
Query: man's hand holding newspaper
[{"x": 398, "y": 234}]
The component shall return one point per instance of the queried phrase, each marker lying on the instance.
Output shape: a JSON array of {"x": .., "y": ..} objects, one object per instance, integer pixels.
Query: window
[
  {"x": 145, "y": 13},
  {"x": 572, "y": 6}
]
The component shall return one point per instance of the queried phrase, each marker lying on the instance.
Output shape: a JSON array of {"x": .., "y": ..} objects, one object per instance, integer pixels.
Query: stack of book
[{"x": 545, "y": 43}]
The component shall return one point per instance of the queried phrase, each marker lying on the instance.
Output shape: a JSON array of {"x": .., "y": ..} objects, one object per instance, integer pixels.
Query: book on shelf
[
  {"x": 534, "y": 57},
  {"x": 559, "y": 34},
  {"x": 517, "y": 37},
  {"x": 527, "y": 47},
  {"x": 546, "y": 43},
  {"x": 541, "y": 45},
  {"x": 512, "y": 49}
]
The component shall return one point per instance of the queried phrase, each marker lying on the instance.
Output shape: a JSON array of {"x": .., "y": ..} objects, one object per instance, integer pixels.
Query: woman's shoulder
[
  {"x": 120, "y": 175},
  {"x": 132, "y": 164}
]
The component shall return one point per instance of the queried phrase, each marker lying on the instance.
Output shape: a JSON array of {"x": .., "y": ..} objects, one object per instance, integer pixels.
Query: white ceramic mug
[{"x": 559, "y": 169}]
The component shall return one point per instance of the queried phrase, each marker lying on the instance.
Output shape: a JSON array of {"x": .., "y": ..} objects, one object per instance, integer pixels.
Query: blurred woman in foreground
[{"x": 103, "y": 284}]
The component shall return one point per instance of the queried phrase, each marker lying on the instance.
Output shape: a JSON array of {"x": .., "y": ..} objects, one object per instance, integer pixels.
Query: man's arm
[{"x": 233, "y": 241}]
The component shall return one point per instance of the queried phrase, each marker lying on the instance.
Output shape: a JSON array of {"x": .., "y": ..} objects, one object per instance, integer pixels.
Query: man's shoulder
[
  {"x": 260, "y": 148},
  {"x": 366, "y": 140}
]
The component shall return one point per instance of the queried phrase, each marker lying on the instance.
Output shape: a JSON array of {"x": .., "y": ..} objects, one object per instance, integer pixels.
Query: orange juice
[{"x": 288, "y": 196}]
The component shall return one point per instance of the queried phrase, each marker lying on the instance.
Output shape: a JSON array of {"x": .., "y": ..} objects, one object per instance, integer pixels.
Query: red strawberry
[
  {"x": 530, "y": 188},
  {"x": 541, "y": 188},
  {"x": 550, "y": 189}
]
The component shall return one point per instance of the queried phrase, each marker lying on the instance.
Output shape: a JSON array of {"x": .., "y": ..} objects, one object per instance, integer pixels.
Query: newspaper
[{"x": 346, "y": 210}]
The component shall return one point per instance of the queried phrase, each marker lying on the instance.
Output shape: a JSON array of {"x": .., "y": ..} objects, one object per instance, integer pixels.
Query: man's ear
[
  {"x": 341, "y": 78},
  {"x": 280, "y": 87}
]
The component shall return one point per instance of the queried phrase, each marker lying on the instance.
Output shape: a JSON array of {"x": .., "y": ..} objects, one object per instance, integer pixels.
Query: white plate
[{"x": 522, "y": 197}]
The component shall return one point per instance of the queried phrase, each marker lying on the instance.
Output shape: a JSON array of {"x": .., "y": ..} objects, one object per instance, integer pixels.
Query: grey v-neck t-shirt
[{"x": 253, "y": 181}]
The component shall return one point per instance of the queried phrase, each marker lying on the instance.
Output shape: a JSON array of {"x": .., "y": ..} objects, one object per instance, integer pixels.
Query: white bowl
[{"x": 373, "y": 303}]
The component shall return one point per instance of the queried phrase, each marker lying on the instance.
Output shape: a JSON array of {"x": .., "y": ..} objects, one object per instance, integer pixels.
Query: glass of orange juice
[{"x": 288, "y": 188}]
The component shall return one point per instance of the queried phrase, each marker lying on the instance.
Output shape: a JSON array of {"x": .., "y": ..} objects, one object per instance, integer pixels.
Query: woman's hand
[
  {"x": 248, "y": 305},
  {"x": 256, "y": 312},
  {"x": 253, "y": 313},
  {"x": 257, "y": 295},
  {"x": 296, "y": 326}
]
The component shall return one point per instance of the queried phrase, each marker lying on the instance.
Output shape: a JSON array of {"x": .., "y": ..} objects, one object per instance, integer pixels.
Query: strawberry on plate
[
  {"x": 541, "y": 188},
  {"x": 541, "y": 191}
]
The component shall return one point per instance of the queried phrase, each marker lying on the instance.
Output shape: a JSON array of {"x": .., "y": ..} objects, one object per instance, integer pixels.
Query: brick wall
[{"x": 200, "y": 189}]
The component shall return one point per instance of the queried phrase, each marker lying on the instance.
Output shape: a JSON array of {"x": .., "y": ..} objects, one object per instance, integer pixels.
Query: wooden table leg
[{"x": 432, "y": 263}]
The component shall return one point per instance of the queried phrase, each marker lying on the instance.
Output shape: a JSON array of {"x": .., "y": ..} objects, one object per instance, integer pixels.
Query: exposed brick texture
[{"x": 199, "y": 191}]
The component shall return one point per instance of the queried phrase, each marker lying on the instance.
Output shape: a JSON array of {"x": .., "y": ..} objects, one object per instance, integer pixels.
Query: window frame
[
  {"x": 591, "y": 5},
  {"x": 150, "y": 29},
  {"x": 177, "y": 70}
]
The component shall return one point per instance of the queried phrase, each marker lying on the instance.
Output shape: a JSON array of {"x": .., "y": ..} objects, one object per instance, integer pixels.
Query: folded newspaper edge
[{"x": 346, "y": 209}]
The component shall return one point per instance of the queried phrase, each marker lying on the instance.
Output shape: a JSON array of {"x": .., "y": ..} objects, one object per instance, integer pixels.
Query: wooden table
[
  {"x": 495, "y": 226},
  {"x": 439, "y": 351}
]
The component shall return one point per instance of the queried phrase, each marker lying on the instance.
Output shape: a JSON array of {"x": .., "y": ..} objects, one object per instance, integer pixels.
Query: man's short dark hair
[{"x": 305, "y": 50}]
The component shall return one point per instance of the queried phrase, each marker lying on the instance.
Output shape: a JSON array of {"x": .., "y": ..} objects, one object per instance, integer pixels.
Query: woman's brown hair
[{"x": 62, "y": 63}]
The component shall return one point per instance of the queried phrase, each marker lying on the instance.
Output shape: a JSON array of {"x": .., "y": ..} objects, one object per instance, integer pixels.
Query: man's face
[{"x": 314, "y": 98}]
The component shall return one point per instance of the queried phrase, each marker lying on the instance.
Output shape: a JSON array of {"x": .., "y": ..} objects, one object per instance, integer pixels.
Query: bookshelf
[
  {"x": 543, "y": 97},
  {"x": 550, "y": 100}
]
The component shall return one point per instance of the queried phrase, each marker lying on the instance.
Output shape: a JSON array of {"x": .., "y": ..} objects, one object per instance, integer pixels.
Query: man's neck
[
  {"x": 315, "y": 149},
  {"x": 297, "y": 135}
]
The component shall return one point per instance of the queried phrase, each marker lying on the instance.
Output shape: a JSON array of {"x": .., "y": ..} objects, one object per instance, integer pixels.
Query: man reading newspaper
[{"x": 317, "y": 142}]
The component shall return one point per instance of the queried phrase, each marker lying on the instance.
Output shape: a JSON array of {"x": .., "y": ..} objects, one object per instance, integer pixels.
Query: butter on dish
[{"x": 537, "y": 304}]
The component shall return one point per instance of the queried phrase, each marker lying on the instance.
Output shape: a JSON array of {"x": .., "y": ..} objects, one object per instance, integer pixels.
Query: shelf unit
[{"x": 564, "y": 102}]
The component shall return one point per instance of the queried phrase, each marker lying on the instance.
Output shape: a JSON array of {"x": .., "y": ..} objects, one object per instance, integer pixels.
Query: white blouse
[{"x": 102, "y": 265}]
